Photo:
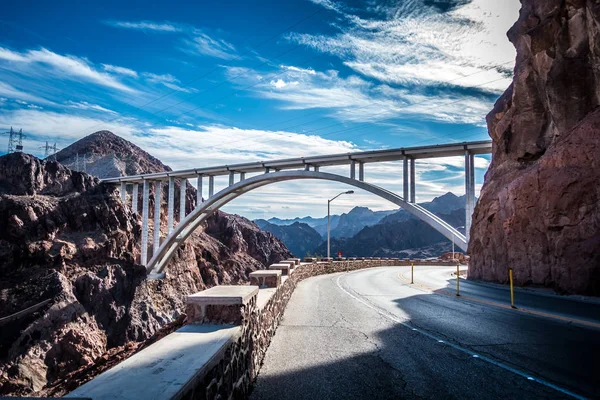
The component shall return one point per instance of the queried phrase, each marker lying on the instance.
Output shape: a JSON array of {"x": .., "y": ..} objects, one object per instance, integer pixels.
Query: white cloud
[
  {"x": 355, "y": 99},
  {"x": 120, "y": 70},
  {"x": 14, "y": 93},
  {"x": 84, "y": 105},
  {"x": 165, "y": 27},
  {"x": 203, "y": 44},
  {"x": 411, "y": 43},
  {"x": 69, "y": 67},
  {"x": 167, "y": 80}
]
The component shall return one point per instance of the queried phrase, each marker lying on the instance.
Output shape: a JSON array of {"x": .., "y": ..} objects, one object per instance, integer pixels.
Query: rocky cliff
[
  {"x": 539, "y": 210},
  {"x": 70, "y": 290}
]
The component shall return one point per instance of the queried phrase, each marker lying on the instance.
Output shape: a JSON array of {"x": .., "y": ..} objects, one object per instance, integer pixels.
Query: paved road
[{"x": 369, "y": 334}]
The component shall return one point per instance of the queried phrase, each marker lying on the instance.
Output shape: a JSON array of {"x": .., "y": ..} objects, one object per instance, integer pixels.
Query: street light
[
  {"x": 458, "y": 227},
  {"x": 328, "y": 220}
]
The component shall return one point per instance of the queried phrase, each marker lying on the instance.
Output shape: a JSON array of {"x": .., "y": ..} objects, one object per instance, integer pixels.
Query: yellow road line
[{"x": 500, "y": 305}]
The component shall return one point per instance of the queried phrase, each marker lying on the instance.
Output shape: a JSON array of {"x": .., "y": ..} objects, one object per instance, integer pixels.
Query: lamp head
[{"x": 350, "y": 192}]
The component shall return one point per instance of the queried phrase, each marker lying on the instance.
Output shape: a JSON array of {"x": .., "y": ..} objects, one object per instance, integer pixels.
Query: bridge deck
[{"x": 446, "y": 150}]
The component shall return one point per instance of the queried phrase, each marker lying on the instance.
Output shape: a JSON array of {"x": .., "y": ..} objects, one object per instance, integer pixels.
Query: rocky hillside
[
  {"x": 108, "y": 155},
  {"x": 300, "y": 238},
  {"x": 539, "y": 210},
  {"x": 70, "y": 290}
]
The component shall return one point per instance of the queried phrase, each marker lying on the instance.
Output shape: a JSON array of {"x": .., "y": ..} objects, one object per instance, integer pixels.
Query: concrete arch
[{"x": 184, "y": 229}]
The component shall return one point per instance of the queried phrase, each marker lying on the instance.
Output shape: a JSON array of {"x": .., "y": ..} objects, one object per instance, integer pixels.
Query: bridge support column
[
  {"x": 157, "y": 201},
  {"x": 413, "y": 196},
  {"x": 405, "y": 179},
  {"x": 199, "y": 192},
  {"x": 242, "y": 176},
  {"x": 211, "y": 186},
  {"x": 134, "y": 199},
  {"x": 316, "y": 168},
  {"x": 267, "y": 170},
  {"x": 361, "y": 171},
  {"x": 170, "y": 204},
  {"x": 231, "y": 178},
  {"x": 123, "y": 192},
  {"x": 145, "y": 222},
  {"x": 352, "y": 169},
  {"x": 469, "y": 191},
  {"x": 307, "y": 167},
  {"x": 182, "y": 196}
]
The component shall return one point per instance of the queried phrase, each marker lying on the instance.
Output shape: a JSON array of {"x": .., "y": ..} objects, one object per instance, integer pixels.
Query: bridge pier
[
  {"x": 405, "y": 179},
  {"x": 242, "y": 176},
  {"x": 182, "y": 196},
  {"x": 413, "y": 196},
  {"x": 469, "y": 191},
  {"x": 199, "y": 192},
  {"x": 170, "y": 205},
  {"x": 352, "y": 169},
  {"x": 157, "y": 201},
  {"x": 361, "y": 171},
  {"x": 211, "y": 186},
  {"x": 123, "y": 192},
  {"x": 145, "y": 222},
  {"x": 231, "y": 177},
  {"x": 134, "y": 199}
]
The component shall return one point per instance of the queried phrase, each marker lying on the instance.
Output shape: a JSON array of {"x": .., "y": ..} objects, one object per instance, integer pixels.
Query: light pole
[
  {"x": 453, "y": 256},
  {"x": 328, "y": 220}
]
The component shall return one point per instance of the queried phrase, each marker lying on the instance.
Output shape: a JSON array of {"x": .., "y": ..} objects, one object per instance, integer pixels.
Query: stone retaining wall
[{"x": 234, "y": 373}]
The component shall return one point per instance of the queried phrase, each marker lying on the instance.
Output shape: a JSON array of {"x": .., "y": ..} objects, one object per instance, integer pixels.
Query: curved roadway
[{"x": 370, "y": 334}]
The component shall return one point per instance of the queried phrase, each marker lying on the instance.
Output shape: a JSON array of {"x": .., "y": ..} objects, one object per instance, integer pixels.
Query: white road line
[{"x": 393, "y": 318}]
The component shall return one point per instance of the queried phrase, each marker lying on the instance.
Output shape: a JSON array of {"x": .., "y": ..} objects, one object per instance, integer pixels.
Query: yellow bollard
[
  {"x": 457, "y": 281},
  {"x": 412, "y": 272},
  {"x": 512, "y": 290}
]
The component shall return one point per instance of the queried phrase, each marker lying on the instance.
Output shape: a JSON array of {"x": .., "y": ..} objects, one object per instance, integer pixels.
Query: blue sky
[{"x": 200, "y": 83}]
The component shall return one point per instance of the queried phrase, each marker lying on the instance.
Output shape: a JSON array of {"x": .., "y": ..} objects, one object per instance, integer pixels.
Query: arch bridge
[{"x": 274, "y": 171}]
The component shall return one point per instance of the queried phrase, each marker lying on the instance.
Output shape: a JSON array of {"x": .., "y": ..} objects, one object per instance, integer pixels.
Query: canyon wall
[{"x": 539, "y": 209}]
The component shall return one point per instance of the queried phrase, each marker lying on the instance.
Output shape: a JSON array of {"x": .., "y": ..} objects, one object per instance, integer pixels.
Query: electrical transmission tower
[
  {"x": 15, "y": 140},
  {"x": 50, "y": 151}
]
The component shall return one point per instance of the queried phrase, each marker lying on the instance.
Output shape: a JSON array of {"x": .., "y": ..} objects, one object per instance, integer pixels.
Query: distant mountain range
[
  {"x": 299, "y": 238},
  {"x": 363, "y": 232}
]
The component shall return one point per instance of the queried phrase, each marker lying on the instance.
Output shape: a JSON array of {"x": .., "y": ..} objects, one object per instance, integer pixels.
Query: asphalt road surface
[{"x": 370, "y": 334}]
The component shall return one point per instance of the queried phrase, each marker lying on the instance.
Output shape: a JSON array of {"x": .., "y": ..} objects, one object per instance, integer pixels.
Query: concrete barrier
[
  {"x": 266, "y": 278},
  {"x": 284, "y": 267}
]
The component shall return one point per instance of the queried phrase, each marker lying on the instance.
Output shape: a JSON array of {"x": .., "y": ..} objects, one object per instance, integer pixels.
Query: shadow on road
[{"x": 351, "y": 359}]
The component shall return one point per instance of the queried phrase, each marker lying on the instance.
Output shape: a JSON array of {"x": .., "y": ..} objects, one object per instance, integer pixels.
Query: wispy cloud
[
  {"x": 355, "y": 99},
  {"x": 84, "y": 105},
  {"x": 167, "y": 80},
  {"x": 195, "y": 41},
  {"x": 164, "y": 27},
  {"x": 120, "y": 70},
  {"x": 201, "y": 43},
  {"x": 64, "y": 66},
  {"x": 14, "y": 93},
  {"x": 416, "y": 43}
]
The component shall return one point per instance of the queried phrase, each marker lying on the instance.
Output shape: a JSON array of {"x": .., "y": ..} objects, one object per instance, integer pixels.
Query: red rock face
[{"x": 539, "y": 209}]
